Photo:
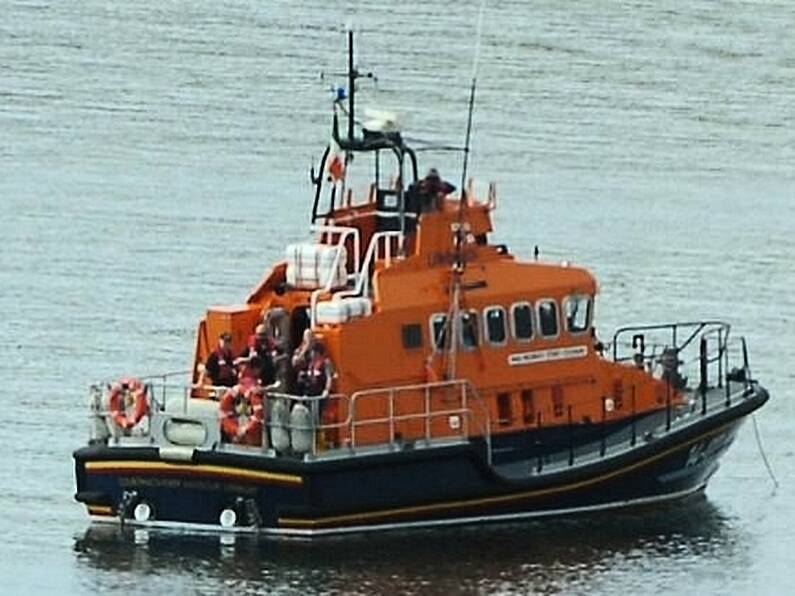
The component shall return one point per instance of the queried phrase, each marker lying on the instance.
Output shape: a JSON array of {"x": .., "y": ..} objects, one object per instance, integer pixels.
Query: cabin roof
[{"x": 500, "y": 280}]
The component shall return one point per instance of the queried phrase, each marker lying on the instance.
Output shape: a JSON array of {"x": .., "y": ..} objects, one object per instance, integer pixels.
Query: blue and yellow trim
[
  {"x": 385, "y": 514},
  {"x": 100, "y": 510},
  {"x": 152, "y": 468}
]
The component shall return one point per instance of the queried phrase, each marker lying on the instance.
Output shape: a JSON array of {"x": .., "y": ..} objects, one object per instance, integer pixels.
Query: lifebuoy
[
  {"x": 242, "y": 415},
  {"x": 127, "y": 403}
]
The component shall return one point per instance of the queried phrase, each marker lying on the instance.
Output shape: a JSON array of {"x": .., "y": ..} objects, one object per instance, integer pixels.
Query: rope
[{"x": 762, "y": 453}]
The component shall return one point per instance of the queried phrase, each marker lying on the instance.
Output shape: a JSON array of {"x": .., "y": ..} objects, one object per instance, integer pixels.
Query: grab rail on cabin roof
[
  {"x": 362, "y": 278},
  {"x": 344, "y": 234},
  {"x": 363, "y": 282}
]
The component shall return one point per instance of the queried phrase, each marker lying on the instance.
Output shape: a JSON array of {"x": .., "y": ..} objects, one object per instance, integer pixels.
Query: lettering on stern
[{"x": 185, "y": 483}]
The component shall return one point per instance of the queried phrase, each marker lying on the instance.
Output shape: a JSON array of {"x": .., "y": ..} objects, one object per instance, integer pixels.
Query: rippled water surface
[{"x": 153, "y": 161}]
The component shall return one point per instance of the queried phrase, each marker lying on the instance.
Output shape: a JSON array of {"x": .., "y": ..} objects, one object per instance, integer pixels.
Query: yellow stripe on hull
[
  {"x": 148, "y": 467},
  {"x": 461, "y": 504},
  {"x": 104, "y": 510}
]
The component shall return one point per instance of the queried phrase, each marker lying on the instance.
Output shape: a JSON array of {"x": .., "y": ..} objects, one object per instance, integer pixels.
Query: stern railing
[{"x": 391, "y": 418}]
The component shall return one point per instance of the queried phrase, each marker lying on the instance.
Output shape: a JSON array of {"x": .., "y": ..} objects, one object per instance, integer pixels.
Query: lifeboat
[{"x": 414, "y": 373}]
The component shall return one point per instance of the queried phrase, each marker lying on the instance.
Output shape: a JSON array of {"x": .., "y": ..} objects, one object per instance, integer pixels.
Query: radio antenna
[
  {"x": 472, "y": 87},
  {"x": 460, "y": 234}
]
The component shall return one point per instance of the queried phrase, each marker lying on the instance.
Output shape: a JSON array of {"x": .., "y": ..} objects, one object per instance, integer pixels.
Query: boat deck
[{"x": 644, "y": 429}]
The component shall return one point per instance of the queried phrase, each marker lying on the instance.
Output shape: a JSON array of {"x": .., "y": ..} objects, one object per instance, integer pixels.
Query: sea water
[{"x": 154, "y": 160}]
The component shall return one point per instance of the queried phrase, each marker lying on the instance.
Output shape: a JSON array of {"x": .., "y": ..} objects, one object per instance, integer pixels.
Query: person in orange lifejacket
[
  {"x": 127, "y": 403},
  {"x": 315, "y": 378},
  {"x": 318, "y": 374},
  {"x": 242, "y": 415},
  {"x": 255, "y": 362},
  {"x": 220, "y": 362}
]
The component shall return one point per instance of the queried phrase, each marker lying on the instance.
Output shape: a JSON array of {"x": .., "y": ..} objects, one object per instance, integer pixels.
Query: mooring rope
[{"x": 762, "y": 453}]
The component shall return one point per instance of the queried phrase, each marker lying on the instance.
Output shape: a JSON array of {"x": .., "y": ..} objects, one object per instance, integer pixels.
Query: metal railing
[
  {"x": 691, "y": 349},
  {"x": 344, "y": 233},
  {"x": 362, "y": 287},
  {"x": 703, "y": 352},
  {"x": 388, "y": 417},
  {"x": 666, "y": 335},
  {"x": 444, "y": 410}
]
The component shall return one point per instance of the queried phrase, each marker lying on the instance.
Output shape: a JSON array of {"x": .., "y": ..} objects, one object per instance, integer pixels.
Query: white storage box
[
  {"x": 310, "y": 266},
  {"x": 340, "y": 310}
]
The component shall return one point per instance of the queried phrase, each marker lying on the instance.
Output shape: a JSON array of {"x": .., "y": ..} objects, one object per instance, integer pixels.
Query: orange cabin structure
[{"x": 522, "y": 338}]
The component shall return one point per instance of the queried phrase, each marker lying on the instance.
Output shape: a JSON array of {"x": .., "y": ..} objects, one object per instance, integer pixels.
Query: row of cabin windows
[{"x": 525, "y": 322}]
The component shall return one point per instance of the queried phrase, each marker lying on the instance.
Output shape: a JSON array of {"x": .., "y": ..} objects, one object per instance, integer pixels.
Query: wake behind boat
[{"x": 403, "y": 370}]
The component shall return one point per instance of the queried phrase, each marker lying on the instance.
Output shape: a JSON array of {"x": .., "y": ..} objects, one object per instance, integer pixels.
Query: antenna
[
  {"x": 460, "y": 233},
  {"x": 352, "y": 76},
  {"x": 475, "y": 60}
]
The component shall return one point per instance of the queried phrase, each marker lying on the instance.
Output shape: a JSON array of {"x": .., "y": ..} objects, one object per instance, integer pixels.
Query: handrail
[
  {"x": 468, "y": 405},
  {"x": 363, "y": 278},
  {"x": 711, "y": 325},
  {"x": 393, "y": 392},
  {"x": 344, "y": 233}
]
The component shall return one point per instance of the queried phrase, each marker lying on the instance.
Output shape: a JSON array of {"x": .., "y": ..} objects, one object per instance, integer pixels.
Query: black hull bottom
[{"x": 423, "y": 487}]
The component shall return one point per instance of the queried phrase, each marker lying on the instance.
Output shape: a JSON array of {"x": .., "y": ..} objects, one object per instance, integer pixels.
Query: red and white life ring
[{"x": 127, "y": 403}]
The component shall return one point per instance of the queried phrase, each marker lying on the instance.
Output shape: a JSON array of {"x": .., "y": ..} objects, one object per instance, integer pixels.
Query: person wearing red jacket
[
  {"x": 255, "y": 363},
  {"x": 220, "y": 363}
]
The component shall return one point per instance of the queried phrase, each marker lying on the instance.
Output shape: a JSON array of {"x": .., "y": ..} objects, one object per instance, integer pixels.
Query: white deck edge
[{"x": 310, "y": 533}]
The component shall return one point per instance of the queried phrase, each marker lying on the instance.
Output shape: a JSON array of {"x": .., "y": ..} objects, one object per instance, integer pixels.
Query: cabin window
[
  {"x": 504, "y": 413},
  {"x": 439, "y": 331},
  {"x": 412, "y": 336},
  {"x": 495, "y": 324},
  {"x": 548, "y": 318},
  {"x": 522, "y": 321},
  {"x": 577, "y": 309},
  {"x": 469, "y": 329}
]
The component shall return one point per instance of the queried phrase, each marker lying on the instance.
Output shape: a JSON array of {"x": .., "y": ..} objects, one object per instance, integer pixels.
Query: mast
[
  {"x": 460, "y": 233},
  {"x": 352, "y": 74}
]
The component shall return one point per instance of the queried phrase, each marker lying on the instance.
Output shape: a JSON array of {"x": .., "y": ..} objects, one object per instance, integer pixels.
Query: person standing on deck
[
  {"x": 432, "y": 191},
  {"x": 256, "y": 360},
  {"x": 220, "y": 363}
]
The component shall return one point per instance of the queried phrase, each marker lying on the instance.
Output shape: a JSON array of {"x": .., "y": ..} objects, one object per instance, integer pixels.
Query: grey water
[{"x": 154, "y": 160}]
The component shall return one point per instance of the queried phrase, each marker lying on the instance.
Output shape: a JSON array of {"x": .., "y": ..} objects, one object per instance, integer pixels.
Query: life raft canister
[{"x": 127, "y": 402}]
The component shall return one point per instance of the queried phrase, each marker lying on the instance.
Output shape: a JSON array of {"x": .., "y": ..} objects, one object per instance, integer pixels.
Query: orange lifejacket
[
  {"x": 314, "y": 376},
  {"x": 226, "y": 370},
  {"x": 254, "y": 343},
  {"x": 127, "y": 403},
  {"x": 242, "y": 415}
]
